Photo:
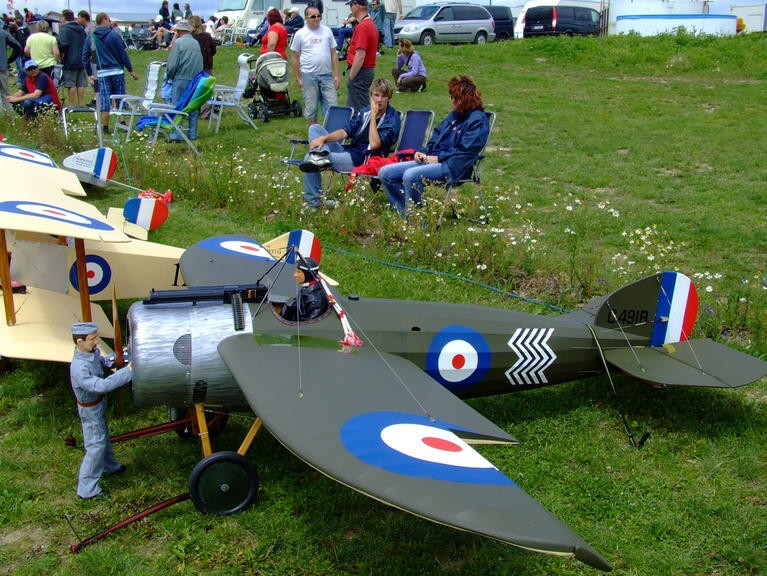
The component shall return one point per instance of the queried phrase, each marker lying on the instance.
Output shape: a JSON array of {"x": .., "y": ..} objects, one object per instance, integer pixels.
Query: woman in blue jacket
[{"x": 449, "y": 155}]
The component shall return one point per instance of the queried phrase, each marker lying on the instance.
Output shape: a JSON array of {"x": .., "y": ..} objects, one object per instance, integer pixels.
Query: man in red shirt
[
  {"x": 37, "y": 91},
  {"x": 361, "y": 56}
]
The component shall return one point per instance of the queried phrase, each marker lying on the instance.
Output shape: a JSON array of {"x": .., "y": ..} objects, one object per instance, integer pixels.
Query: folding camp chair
[
  {"x": 473, "y": 176},
  {"x": 231, "y": 96},
  {"x": 128, "y": 108},
  {"x": 413, "y": 135},
  {"x": 166, "y": 118},
  {"x": 69, "y": 126},
  {"x": 336, "y": 117}
]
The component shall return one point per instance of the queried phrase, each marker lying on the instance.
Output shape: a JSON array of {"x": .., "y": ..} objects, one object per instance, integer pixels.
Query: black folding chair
[{"x": 473, "y": 177}]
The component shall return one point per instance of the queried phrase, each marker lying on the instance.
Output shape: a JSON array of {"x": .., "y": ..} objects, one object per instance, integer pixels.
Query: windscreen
[{"x": 421, "y": 13}]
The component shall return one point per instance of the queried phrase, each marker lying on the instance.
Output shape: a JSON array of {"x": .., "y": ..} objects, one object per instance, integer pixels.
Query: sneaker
[
  {"x": 315, "y": 163},
  {"x": 330, "y": 203}
]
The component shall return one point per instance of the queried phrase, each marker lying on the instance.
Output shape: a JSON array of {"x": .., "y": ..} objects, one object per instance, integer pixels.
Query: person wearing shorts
[
  {"x": 71, "y": 40},
  {"x": 105, "y": 48}
]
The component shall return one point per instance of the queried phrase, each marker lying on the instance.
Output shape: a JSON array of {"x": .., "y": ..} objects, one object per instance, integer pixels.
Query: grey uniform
[{"x": 90, "y": 388}]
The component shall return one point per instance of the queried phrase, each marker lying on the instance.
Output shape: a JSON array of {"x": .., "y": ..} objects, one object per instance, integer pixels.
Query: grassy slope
[{"x": 611, "y": 158}]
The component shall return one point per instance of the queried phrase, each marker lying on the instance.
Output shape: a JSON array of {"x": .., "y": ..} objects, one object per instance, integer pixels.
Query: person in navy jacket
[{"x": 449, "y": 155}]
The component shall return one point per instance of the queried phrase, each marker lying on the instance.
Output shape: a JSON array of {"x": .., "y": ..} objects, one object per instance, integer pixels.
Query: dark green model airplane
[{"x": 384, "y": 416}]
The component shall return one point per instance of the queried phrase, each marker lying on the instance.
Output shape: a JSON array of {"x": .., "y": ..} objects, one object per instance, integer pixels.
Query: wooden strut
[
  {"x": 250, "y": 436},
  {"x": 202, "y": 423},
  {"x": 5, "y": 279},
  {"x": 82, "y": 280}
]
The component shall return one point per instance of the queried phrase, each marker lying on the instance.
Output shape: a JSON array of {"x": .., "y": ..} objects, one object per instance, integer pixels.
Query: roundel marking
[
  {"x": 239, "y": 247},
  {"x": 52, "y": 212},
  {"x": 458, "y": 357},
  {"x": 414, "y": 445},
  {"x": 25, "y": 154},
  {"x": 98, "y": 271}
]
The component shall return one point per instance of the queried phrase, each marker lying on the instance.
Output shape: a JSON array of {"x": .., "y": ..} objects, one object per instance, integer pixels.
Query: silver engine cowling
[{"x": 174, "y": 355}]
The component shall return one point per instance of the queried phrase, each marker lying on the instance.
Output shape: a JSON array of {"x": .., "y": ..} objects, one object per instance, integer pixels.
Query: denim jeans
[
  {"x": 404, "y": 182},
  {"x": 340, "y": 160},
  {"x": 318, "y": 90},
  {"x": 179, "y": 87},
  {"x": 391, "y": 18}
]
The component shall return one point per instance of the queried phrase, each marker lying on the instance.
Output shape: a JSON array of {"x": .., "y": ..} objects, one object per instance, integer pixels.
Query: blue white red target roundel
[
  {"x": 19, "y": 153},
  {"x": 53, "y": 212},
  {"x": 414, "y": 445},
  {"x": 237, "y": 247},
  {"x": 458, "y": 357},
  {"x": 98, "y": 271}
]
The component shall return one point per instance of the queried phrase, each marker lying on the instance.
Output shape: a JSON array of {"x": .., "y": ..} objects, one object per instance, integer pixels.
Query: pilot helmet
[{"x": 309, "y": 267}]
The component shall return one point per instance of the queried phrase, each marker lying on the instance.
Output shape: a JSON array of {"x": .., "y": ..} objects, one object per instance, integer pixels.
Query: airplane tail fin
[
  {"x": 657, "y": 314},
  {"x": 660, "y": 308}
]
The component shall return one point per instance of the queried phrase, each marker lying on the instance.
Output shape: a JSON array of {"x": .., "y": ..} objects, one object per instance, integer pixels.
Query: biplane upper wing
[
  {"x": 35, "y": 201},
  {"x": 380, "y": 425},
  {"x": 42, "y": 332},
  {"x": 237, "y": 258}
]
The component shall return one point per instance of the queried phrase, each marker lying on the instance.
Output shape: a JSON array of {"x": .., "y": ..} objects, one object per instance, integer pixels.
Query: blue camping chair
[
  {"x": 413, "y": 135},
  {"x": 168, "y": 119},
  {"x": 472, "y": 177},
  {"x": 337, "y": 117}
]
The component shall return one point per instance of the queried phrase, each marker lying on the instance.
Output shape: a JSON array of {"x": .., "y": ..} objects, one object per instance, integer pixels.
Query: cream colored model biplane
[{"x": 55, "y": 244}]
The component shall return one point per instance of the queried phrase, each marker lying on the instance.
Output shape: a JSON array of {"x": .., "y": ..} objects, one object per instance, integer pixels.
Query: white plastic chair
[
  {"x": 132, "y": 107},
  {"x": 231, "y": 96}
]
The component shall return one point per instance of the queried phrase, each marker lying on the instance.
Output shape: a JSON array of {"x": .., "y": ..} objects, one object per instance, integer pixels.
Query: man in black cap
[
  {"x": 311, "y": 301},
  {"x": 361, "y": 56},
  {"x": 90, "y": 387}
]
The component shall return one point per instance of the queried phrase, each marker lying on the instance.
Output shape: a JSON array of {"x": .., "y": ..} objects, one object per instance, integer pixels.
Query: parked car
[
  {"x": 554, "y": 17},
  {"x": 455, "y": 22},
  {"x": 504, "y": 22}
]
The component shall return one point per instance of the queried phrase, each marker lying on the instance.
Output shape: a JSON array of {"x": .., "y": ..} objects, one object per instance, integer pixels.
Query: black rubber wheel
[
  {"x": 427, "y": 38},
  {"x": 296, "y": 108},
  {"x": 223, "y": 483},
  {"x": 263, "y": 113}
]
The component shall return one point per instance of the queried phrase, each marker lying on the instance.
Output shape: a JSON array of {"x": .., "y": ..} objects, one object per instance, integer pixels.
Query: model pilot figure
[
  {"x": 86, "y": 374},
  {"x": 311, "y": 301}
]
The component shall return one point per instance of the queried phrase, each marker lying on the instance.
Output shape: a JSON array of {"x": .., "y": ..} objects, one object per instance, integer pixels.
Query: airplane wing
[
  {"x": 35, "y": 201},
  {"x": 237, "y": 258},
  {"x": 380, "y": 425},
  {"x": 690, "y": 363},
  {"x": 43, "y": 323}
]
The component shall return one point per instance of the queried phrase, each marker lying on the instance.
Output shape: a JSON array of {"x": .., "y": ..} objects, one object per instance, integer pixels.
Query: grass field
[{"x": 611, "y": 158}]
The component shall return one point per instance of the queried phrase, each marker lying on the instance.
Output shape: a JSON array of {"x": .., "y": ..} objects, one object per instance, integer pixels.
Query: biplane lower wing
[
  {"x": 690, "y": 363},
  {"x": 380, "y": 425},
  {"x": 43, "y": 326}
]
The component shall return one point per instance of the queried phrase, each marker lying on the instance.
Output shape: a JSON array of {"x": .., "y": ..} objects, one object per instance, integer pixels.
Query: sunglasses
[{"x": 314, "y": 17}]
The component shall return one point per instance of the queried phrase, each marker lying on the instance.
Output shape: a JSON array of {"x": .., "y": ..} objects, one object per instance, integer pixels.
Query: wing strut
[
  {"x": 5, "y": 278},
  {"x": 646, "y": 435}
]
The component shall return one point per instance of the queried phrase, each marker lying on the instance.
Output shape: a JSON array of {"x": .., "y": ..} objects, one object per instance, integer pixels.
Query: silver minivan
[{"x": 453, "y": 22}]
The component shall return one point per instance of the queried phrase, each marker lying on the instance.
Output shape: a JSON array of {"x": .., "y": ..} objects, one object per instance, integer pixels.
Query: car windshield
[{"x": 421, "y": 13}]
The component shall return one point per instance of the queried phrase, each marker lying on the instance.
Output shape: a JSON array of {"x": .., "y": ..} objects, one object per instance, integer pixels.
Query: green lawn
[{"x": 612, "y": 158}]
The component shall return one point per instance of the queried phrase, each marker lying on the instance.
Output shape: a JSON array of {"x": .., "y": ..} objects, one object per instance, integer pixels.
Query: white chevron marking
[{"x": 533, "y": 355}]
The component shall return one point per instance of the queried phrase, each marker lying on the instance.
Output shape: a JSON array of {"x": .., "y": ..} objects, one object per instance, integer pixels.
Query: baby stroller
[{"x": 268, "y": 85}]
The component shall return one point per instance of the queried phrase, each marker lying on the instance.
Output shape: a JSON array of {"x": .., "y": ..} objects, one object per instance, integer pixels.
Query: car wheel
[
  {"x": 427, "y": 38},
  {"x": 501, "y": 37},
  {"x": 481, "y": 38}
]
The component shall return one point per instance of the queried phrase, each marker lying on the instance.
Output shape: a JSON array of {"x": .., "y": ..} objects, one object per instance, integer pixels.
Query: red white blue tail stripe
[
  {"x": 306, "y": 244},
  {"x": 676, "y": 311},
  {"x": 149, "y": 213}
]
